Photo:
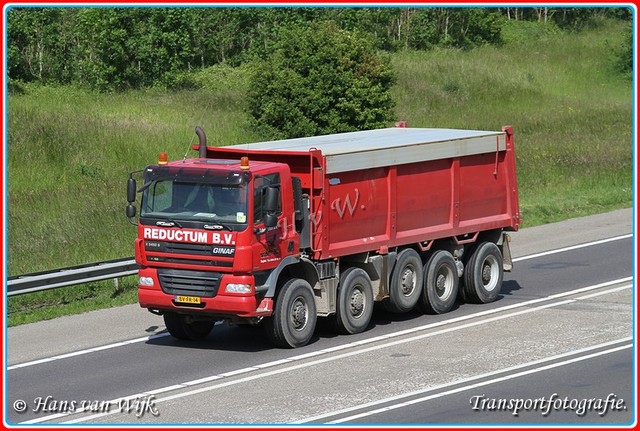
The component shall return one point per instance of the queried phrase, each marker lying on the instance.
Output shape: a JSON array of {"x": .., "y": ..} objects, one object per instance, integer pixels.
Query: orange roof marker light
[
  {"x": 244, "y": 163},
  {"x": 162, "y": 159}
]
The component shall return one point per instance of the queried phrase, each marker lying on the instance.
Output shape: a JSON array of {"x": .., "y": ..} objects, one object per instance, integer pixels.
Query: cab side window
[{"x": 261, "y": 184}]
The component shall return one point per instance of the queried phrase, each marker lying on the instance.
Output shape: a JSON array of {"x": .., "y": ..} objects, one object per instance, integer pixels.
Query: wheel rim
[
  {"x": 299, "y": 314},
  {"x": 490, "y": 273},
  {"x": 357, "y": 302},
  {"x": 408, "y": 281},
  {"x": 444, "y": 282}
]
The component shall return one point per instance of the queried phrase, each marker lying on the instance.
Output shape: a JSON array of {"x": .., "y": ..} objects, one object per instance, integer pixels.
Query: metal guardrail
[{"x": 27, "y": 283}]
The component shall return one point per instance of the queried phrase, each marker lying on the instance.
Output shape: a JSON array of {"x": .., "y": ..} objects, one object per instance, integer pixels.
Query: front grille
[
  {"x": 190, "y": 283},
  {"x": 187, "y": 254},
  {"x": 177, "y": 248},
  {"x": 219, "y": 263}
]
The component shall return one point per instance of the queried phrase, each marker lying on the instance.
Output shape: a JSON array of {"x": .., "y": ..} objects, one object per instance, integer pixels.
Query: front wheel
[
  {"x": 294, "y": 316},
  {"x": 184, "y": 327},
  {"x": 483, "y": 274}
]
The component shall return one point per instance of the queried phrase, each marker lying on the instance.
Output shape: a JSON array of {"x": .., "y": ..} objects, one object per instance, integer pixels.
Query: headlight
[
  {"x": 145, "y": 281},
  {"x": 238, "y": 288}
]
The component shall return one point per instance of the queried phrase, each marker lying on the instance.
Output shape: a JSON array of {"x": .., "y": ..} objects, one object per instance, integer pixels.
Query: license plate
[{"x": 187, "y": 299}]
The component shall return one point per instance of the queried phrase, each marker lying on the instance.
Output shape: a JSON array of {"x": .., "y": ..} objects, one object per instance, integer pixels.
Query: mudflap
[{"x": 503, "y": 245}]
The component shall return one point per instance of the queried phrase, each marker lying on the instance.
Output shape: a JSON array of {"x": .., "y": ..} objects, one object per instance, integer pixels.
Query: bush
[
  {"x": 15, "y": 86},
  {"x": 319, "y": 80},
  {"x": 624, "y": 53}
]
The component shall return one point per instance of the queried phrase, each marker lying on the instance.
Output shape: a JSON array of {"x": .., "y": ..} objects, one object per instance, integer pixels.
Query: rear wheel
[
  {"x": 440, "y": 283},
  {"x": 184, "y": 327},
  {"x": 294, "y": 316},
  {"x": 406, "y": 282},
  {"x": 483, "y": 274},
  {"x": 354, "y": 306}
]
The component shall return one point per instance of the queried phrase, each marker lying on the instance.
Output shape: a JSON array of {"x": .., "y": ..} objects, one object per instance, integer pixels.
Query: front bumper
[{"x": 220, "y": 304}]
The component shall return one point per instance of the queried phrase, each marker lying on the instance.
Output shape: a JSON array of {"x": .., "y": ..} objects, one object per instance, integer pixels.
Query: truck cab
[{"x": 209, "y": 232}]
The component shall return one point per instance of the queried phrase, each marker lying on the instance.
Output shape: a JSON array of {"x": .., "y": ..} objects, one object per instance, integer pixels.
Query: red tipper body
[
  {"x": 360, "y": 196},
  {"x": 374, "y": 190}
]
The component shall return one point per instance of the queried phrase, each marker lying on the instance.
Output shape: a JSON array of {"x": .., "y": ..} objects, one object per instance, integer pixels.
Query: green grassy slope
[{"x": 571, "y": 111}]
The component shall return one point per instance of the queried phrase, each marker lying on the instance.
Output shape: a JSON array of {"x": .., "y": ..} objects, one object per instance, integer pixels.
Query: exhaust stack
[{"x": 202, "y": 138}]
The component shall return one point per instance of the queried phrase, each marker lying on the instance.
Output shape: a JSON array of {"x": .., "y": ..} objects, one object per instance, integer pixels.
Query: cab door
[{"x": 268, "y": 222}]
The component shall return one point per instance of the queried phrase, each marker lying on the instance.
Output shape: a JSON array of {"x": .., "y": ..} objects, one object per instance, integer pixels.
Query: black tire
[
  {"x": 441, "y": 283},
  {"x": 294, "y": 316},
  {"x": 406, "y": 282},
  {"x": 483, "y": 274},
  {"x": 354, "y": 306},
  {"x": 182, "y": 327}
]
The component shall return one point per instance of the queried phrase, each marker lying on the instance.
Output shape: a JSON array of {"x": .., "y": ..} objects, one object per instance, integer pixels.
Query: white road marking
[
  {"x": 604, "y": 292},
  {"x": 513, "y": 373},
  {"x": 573, "y": 247},
  {"x": 355, "y": 352},
  {"x": 85, "y": 351},
  {"x": 145, "y": 339}
]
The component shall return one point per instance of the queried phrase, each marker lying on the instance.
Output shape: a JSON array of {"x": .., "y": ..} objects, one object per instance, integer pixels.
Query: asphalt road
[{"x": 556, "y": 348}]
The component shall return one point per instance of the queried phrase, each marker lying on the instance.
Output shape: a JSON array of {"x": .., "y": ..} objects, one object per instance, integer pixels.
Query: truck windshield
[{"x": 176, "y": 199}]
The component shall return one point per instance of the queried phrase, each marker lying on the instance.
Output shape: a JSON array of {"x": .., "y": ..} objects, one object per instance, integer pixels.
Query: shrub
[
  {"x": 624, "y": 53},
  {"x": 320, "y": 80}
]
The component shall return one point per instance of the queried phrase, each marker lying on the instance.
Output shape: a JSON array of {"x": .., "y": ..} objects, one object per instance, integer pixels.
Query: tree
[
  {"x": 319, "y": 80},
  {"x": 112, "y": 48},
  {"x": 38, "y": 43},
  {"x": 134, "y": 47},
  {"x": 455, "y": 27}
]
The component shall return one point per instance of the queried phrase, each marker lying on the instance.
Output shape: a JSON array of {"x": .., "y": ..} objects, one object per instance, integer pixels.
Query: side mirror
[
  {"x": 271, "y": 199},
  {"x": 270, "y": 220},
  {"x": 131, "y": 198},
  {"x": 131, "y": 211},
  {"x": 131, "y": 190}
]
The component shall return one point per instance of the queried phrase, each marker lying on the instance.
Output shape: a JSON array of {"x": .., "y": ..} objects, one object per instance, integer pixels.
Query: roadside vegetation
[{"x": 568, "y": 94}]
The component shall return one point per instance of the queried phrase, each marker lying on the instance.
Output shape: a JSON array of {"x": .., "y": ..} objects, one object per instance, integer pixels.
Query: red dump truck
[{"x": 280, "y": 233}]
